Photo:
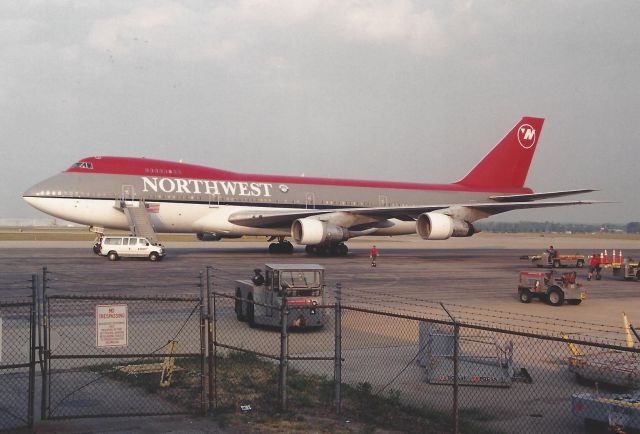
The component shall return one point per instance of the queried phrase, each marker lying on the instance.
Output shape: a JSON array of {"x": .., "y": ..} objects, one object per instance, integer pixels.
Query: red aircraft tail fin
[{"x": 507, "y": 165}]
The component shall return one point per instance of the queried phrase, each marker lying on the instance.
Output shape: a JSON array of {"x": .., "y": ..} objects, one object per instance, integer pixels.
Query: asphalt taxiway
[{"x": 412, "y": 275}]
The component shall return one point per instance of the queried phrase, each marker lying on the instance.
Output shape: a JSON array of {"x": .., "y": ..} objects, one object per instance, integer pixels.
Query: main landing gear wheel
[
  {"x": 333, "y": 249},
  {"x": 281, "y": 247}
]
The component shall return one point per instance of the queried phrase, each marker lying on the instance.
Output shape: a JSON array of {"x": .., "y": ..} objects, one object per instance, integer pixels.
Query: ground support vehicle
[
  {"x": 483, "y": 361},
  {"x": 298, "y": 286},
  {"x": 618, "y": 412},
  {"x": 616, "y": 368},
  {"x": 550, "y": 287},
  {"x": 629, "y": 270},
  {"x": 558, "y": 260},
  {"x": 117, "y": 246}
]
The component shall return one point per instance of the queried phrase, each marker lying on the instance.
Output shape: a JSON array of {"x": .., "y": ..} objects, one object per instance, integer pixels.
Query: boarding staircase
[{"x": 138, "y": 216}]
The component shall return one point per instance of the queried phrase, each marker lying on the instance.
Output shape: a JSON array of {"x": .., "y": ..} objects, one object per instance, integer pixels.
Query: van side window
[
  {"x": 113, "y": 241},
  {"x": 125, "y": 241}
]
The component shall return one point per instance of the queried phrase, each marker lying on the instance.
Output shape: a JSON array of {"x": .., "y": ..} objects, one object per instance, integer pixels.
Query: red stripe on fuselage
[{"x": 167, "y": 169}]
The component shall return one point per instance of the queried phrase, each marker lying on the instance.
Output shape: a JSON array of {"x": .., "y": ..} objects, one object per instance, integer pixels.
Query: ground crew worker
[
  {"x": 552, "y": 254},
  {"x": 373, "y": 254},
  {"x": 258, "y": 278},
  {"x": 594, "y": 266}
]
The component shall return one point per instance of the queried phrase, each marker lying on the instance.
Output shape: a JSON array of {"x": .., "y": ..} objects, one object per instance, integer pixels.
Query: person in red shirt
[
  {"x": 594, "y": 266},
  {"x": 373, "y": 254}
]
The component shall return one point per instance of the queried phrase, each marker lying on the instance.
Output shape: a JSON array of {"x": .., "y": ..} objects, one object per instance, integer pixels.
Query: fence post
[
  {"x": 203, "y": 325},
  {"x": 337, "y": 358},
  {"x": 456, "y": 339},
  {"x": 211, "y": 340},
  {"x": 32, "y": 348},
  {"x": 284, "y": 352},
  {"x": 44, "y": 402}
]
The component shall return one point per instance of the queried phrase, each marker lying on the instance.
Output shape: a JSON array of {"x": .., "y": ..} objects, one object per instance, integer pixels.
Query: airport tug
[
  {"x": 550, "y": 287},
  {"x": 300, "y": 287}
]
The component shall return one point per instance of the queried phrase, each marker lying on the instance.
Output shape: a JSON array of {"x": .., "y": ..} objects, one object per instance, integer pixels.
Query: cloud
[
  {"x": 224, "y": 30},
  {"x": 393, "y": 22}
]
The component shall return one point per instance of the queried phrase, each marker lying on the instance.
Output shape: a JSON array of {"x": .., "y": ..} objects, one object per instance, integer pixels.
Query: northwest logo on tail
[{"x": 526, "y": 136}]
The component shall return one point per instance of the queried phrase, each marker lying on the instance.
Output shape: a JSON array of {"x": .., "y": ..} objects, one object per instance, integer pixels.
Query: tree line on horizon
[{"x": 542, "y": 227}]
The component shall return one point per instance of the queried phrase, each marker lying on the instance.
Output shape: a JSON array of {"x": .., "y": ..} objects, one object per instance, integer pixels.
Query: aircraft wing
[
  {"x": 538, "y": 196},
  {"x": 266, "y": 218}
]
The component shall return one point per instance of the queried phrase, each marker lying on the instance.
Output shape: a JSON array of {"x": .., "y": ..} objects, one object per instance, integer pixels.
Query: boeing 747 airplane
[{"x": 320, "y": 213}]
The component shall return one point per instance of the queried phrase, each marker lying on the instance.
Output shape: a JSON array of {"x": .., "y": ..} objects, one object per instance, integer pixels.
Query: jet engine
[
  {"x": 311, "y": 231},
  {"x": 436, "y": 226}
]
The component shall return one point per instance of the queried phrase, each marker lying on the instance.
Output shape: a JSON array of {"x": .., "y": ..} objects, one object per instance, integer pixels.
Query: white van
[{"x": 115, "y": 247}]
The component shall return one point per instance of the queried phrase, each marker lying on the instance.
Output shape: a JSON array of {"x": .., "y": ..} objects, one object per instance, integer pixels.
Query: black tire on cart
[
  {"x": 580, "y": 263},
  {"x": 598, "y": 276},
  {"x": 555, "y": 296},
  {"x": 574, "y": 302},
  {"x": 556, "y": 263},
  {"x": 250, "y": 311},
  {"x": 525, "y": 295},
  {"x": 113, "y": 256},
  {"x": 238, "y": 306}
]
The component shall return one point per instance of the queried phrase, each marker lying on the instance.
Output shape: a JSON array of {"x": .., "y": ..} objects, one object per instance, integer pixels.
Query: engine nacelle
[
  {"x": 436, "y": 226},
  {"x": 208, "y": 236},
  {"x": 311, "y": 231}
]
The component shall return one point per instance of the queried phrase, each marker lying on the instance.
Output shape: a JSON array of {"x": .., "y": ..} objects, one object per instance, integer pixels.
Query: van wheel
[
  {"x": 113, "y": 256},
  {"x": 153, "y": 256}
]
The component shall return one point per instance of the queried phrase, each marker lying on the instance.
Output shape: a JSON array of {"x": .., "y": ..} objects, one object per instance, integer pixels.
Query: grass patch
[{"x": 245, "y": 379}]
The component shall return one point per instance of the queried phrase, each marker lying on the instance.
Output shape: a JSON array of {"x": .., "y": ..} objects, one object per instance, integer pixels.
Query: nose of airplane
[{"x": 37, "y": 195}]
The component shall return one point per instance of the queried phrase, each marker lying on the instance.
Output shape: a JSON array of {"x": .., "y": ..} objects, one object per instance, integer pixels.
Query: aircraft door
[
  {"x": 128, "y": 195},
  {"x": 214, "y": 201},
  {"x": 310, "y": 200}
]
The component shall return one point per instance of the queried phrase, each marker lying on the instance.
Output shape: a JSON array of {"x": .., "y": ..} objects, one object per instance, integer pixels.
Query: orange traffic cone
[{"x": 606, "y": 257}]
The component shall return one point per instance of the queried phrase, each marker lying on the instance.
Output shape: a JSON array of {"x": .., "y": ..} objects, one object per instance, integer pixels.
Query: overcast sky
[{"x": 391, "y": 90}]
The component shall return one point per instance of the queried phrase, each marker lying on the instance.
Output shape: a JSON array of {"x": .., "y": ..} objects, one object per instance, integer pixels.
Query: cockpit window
[{"x": 83, "y": 165}]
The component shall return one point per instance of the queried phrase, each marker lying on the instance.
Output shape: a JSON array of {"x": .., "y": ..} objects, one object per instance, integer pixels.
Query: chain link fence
[
  {"x": 407, "y": 366},
  {"x": 95, "y": 366},
  {"x": 455, "y": 369},
  {"x": 17, "y": 351}
]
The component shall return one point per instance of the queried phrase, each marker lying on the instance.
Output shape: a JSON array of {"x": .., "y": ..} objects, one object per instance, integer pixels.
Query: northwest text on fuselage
[{"x": 202, "y": 186}]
